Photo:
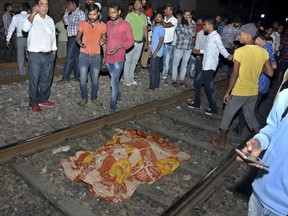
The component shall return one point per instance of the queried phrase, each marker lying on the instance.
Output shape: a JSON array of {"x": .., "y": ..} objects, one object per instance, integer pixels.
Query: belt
[
  {"x": 140, "y": 41},
  {"x": 169, "y": 43},
  {"x": 44, "y": 53},
  {"x": 71, "y": 37}
]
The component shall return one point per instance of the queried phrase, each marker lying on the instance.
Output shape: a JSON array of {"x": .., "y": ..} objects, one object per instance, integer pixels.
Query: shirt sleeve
[
  {"x": 129, "y": 37},
  {"x": 11, "y": 29},
  {"x": 221, "y": 47},
  {"x": 273, "y": 120}
]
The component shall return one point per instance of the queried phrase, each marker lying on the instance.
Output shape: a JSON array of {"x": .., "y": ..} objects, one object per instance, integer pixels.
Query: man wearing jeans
[
  {"x": 213, "y": 46},
  {"x": 72, "y": 17},
  {"x": 270, "y": 186},
  {"x": 170, "y": 24},
  {"x": 119, "y": 39},
  {"x": 42, "y": 50},
  {"x": 88, "y": 36},
  {"x": 138, "y": 22}
]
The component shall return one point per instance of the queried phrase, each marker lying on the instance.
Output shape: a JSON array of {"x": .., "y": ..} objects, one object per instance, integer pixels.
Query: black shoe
[
  {"x": 192, "y": 105},
  {"x": 209, "y": 112}
]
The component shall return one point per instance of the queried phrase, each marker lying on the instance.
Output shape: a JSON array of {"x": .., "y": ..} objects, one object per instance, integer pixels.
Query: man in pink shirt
[{"x": 119, "y": 39}]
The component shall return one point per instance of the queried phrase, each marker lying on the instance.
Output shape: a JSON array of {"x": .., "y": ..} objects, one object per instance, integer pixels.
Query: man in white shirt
[
  {"x": 213, "y": 47},
  {"x": 42, "y": 50},
  {"x": 170, "y": 24},
  {"x": 17, "y": 23},
  {"x": 199, "y": 50}
]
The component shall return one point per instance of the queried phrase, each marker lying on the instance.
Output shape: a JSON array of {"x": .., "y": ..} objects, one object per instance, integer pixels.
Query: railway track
[
  {"x": 180, "y": 193},
  {"x": 177, "y": 194}
]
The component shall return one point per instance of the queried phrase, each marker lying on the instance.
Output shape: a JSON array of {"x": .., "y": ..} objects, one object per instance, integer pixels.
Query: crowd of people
[
  {"x": 167, "y": 42},
  {"x": 190, "y": 46}
]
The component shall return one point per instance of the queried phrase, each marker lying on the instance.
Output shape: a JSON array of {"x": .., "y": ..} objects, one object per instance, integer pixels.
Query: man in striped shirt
[{"x": 72, "y": 17}]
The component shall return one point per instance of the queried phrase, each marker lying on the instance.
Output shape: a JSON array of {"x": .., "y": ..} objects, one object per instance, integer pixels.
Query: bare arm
[
  {"x": 233, "y": 79},
  {"x": 268, "y": 70},
  {"x": 167, "y": 25},
  {"x": 78, "y": 39},
  {"x": 161, "y": 39}
]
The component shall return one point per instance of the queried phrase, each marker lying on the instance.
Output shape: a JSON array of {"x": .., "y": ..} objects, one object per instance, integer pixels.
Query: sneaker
[
  {"x": 209, "y": 112},
  {"x": 119, "y": 101},
  {"x": 46, "y": 104},
  {"x": 192, "y": 105},
  {"x": 127, "y": 84},
  {"x": 134, "y": 82},
  {"x": 96, "y": 102},
  {"x": 174, "y": 84},
  {"x": 36, "y": 108},
  {"x": 82, "y": 102},
  {"x": 165, "y": 81}
]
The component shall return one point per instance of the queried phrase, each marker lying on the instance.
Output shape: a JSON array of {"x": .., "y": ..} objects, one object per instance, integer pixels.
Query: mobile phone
[{"x": 250, "y": 158}]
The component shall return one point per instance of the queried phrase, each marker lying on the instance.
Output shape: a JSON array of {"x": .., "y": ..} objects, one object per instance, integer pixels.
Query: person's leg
[
  {"x": 198, "y": 67},
  {"x": 46, "y": 77},
  {"x": 249, "y": 113},
  {"x": 21, "y": 44},
  {"x": 83, "y": 75},
  {"x": 35, "y": 66},
  {"x": 145, "y": 56},
  {"x": 231, "y": 108},
  {"x": 157, "y": 71},
  {"x": 184, "y": 64},
  {"x": 94, "y": 73},
  {"x": 152, "y": 73},
  {"x": 198, "y": 83},
  {"x": 127, "y": 65},
  {"x": 192, "y": 66},
  {"x": 115, "y": 72},
  {"x": 177, "y": 56},
  {"x": 135, "y": 59},
  {"x": 209, "y": 87},
  {"x": 75, "y": 53},
  {"x": 166, "y": 59},
  {"x": 68, "y": 65}
]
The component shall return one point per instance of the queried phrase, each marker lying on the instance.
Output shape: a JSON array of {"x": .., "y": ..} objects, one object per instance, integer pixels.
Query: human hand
[
  {"x": 253, "y": 148},
  {"x": 226, "y": 98}
]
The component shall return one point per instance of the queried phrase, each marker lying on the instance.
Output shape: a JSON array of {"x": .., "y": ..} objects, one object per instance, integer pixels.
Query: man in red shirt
[{"x": 119, "y": 39}]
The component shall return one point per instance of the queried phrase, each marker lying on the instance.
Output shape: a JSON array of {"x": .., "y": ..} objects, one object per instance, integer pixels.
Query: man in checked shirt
[{"x": 72, "y": 17}]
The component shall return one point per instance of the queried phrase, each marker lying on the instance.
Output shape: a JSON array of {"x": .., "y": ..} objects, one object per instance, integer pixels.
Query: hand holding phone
[{"x": 248, "y": 158}]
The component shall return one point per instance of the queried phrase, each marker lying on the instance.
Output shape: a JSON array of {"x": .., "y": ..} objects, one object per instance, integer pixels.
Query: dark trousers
[
  {"x": 41, "y": 68},
  {"x": 154, "y": 72},
  {"x": 205, "y": 77},
  {"x": 260, "y": 118},
  {"x": 71, "y": 60}
]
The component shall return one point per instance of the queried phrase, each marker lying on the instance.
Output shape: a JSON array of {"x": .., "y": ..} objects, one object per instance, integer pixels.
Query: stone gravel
[{"x": 18, "y": 123}]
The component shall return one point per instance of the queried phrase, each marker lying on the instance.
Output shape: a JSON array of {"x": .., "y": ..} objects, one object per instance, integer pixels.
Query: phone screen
[{"x": 250, "y": 158}]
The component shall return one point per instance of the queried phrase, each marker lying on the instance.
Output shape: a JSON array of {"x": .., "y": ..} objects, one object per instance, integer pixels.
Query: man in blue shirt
[{"x": 270, "y": 187}]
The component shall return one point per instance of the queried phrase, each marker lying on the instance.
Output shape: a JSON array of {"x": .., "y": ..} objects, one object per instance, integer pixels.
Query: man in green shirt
[{"x": 138, "y": 22}]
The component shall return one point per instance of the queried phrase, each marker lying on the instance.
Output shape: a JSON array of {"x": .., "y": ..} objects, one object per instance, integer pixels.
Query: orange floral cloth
[{"x": 131, "y": 158}]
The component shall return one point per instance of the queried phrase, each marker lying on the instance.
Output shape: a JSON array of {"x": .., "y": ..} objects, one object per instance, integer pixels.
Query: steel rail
[{"x": 48, "y": 140}]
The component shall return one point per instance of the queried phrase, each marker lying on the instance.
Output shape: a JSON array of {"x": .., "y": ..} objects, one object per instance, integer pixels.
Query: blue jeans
[
  {"x": 41, "y": 68},
  {"x": 171, "y": 58},
  {"x": 71, "y": 60},
  {"x": 178, "y": 55},
  {"x": 205, "y": 77},
  {"x": 154, "y": 72},
  {"x": 257, "y": 209},
  {"x": 167, "y": 51},
  {"x": 132, "y": 59},
  {"x": 115, "y": 71},
  {"x": 192, "y": 66},
  {"x": 85, "y": 62}
]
